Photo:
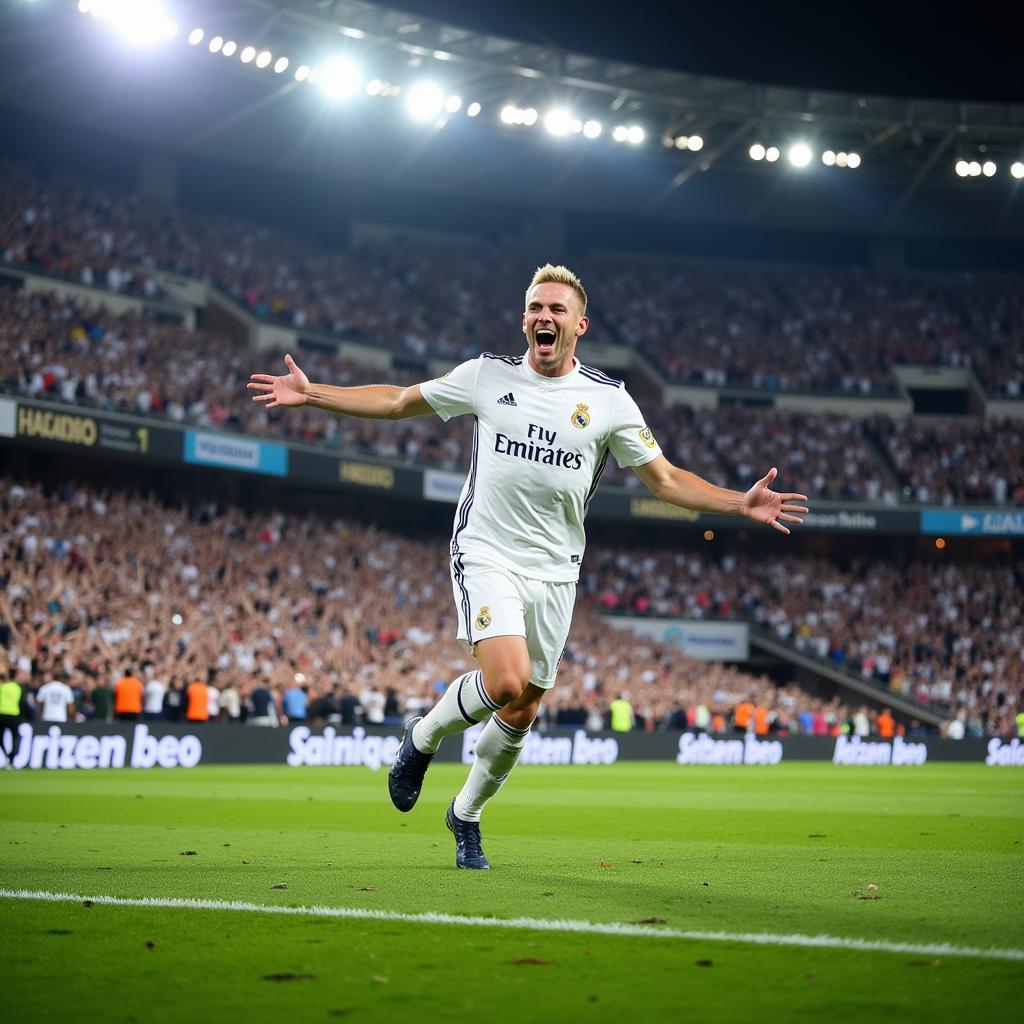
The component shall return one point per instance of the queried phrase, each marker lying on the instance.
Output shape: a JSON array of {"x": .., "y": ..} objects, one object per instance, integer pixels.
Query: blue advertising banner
[
  {"x": 974, "y": 522},
  {"x": 208, "y": 449}
]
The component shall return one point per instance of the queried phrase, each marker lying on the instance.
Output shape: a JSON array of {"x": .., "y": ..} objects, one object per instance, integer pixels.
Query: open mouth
[{"x": 545, "y": 341}]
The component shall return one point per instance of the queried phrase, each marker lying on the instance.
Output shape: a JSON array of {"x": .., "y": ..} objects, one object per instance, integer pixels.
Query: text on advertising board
[
  {"x": 367, "y": 475},
  {"x": 57, "y": 749}
]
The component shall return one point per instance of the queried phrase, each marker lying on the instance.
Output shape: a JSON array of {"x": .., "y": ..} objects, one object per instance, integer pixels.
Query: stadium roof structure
[{"x": 901, "y": 178}]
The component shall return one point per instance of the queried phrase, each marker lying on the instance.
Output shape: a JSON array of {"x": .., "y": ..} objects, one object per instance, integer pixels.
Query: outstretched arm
[
  {"x": 373, "y": 401},
  {"x": 680, "y": 487}
]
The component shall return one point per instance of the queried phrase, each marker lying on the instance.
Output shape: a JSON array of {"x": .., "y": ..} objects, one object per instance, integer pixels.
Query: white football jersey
[
  {"x": 539, "y": 450},
  {"x": 53, "y": 699}
]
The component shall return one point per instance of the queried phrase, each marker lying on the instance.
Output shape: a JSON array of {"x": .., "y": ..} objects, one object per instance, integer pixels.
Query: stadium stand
[
  {"x": 57, "y": 350},
  {"x": 94, "y": 580},
  {"x": 773, "y": 330},
  {"x": 948, "y": 634}
]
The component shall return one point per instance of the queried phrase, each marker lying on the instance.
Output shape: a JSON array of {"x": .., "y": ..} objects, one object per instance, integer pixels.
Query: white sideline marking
[{"x": 532, "y": 924}]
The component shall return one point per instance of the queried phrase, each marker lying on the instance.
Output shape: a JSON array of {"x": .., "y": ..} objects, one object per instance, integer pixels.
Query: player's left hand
[{"x": 764, "y": 505}]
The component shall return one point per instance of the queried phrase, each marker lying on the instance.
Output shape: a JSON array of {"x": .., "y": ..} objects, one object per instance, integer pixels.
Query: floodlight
[
  {"x": 453, "y": 104},
  {"x": 682, "y": 142},
  {"x": 509, "y": 114},
  {"x": 339, "y": 78},
  {"x": 248, "y": 55},
  {"x": 229, "y": 48},
  {"x": 695, "y": 144},
  {"x": 592, "y": 129},
  {"x": 771, "y": 154},
  {"x": 195, "y": 37},
  {"x": 988, "y": 168},
  {"x": 425, "y": 101},
  {"x": 841, "y": 160},
  {"x": 828, "y": 158},
  {"x": 280, "y": 65},
  {"x": 216, "y": 43},
  {"x": 799, "y": 154},
  {"x": 558, "y": 121},
  {"x": 620, "y": 133},
  {"x": 138, "y": 21},
  {"x": 473, "y": 109},
  {"x": 757, "y": 151},
  {"x": 974, "y": 168},
  {"x": 634, "y": 135},
  {"x": 302, "y": 73},
  {"x": 1017, "y": 169},
  {"x": 264, "y": 59},
  {"x": 374, "y": 87},
  {"x": 853, "y": 160},
  {"x": 528, "y": 117}
]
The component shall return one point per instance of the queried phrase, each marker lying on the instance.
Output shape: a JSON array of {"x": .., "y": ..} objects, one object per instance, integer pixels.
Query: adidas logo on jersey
[{"x": 508, "y": 399}]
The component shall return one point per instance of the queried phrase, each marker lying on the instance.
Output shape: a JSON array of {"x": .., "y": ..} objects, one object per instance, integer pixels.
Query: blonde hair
[{"x": 549, "y": 274}]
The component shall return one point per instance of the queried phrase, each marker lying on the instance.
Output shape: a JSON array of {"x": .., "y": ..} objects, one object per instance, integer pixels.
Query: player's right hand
[{"x": 291, "y": 389}]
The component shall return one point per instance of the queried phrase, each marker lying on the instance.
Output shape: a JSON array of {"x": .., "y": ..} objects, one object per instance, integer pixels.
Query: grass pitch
[{"x": 922, "y": 856}]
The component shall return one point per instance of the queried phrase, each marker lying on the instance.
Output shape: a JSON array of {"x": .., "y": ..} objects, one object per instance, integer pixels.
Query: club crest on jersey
[
  {"x": 647, "y": 437},
  {"x": 483, "y": 617},
  {"x": 581, "y": 416}
]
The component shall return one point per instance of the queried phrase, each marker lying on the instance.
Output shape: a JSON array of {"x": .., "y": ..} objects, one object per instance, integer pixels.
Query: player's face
[{"x": 552, "y": 323}]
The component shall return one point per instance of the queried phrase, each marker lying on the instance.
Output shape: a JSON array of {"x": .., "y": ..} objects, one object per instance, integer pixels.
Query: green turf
[{"x": 789, "y": 849}]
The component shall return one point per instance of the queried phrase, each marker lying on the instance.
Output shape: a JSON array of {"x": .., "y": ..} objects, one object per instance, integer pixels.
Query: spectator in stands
[
  {"x": 128, "y": 696},
  {"x": 197, "y": 702},
  {"x": 55, "y": 701}
]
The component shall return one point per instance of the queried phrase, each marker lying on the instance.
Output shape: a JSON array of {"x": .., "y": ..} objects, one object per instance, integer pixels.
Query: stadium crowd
[
  {"x": 944, "y": 461},
  {"x": 946, "y": 634},
  {"x": 97, "y": 585},
  {"x": 55, "y": 350},
  {"x": 767, "y": 329}
]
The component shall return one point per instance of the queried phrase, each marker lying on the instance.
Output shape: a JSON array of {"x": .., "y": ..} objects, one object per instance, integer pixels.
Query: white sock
[
  {"x": 497, "y": 751},
  {"x": 464, "y": 703}
]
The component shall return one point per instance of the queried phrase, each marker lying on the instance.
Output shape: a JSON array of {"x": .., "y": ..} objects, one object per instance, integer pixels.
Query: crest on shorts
[
  {"x": 581, "y": 416},
  {"x": 647, "y": 437},
  {"x": 483, "y": 617}
]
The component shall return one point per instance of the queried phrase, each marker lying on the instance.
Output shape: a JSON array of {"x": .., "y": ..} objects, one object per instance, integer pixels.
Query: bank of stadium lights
[
  {"x": 758, "y": 152},
  {"x": 693, "y": 143},
  {"x": 141, "y": 22},
  {"x": 511, "y": 114},
  {"x": 975, "y": 168},
  {"x": 830, "y": 158},
  {"x": 631, "y": 133}
]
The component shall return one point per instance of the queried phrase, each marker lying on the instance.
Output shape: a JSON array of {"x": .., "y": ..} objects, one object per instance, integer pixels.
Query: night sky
[{"x": 899, "y": 48}]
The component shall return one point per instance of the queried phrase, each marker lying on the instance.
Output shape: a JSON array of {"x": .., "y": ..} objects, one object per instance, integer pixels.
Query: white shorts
[{"x": 497, "y": 602}]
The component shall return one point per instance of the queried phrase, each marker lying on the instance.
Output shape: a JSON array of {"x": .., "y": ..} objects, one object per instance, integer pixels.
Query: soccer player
[{"x": 545, "y": 423}]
